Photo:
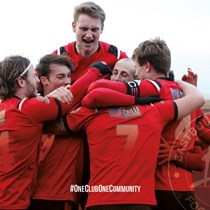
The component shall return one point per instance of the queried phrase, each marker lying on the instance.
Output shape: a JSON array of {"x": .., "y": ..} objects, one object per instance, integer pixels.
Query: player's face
[
  {"x": 88, "y": 31},
  {"x": 123, "y": 71},
  {"x": 31, "y": 83},
  {"x": 59, "y": 75}
]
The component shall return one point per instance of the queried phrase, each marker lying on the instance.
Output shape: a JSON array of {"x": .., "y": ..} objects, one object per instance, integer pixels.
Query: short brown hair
[
  {"x": 10, "y": 69},
  {"x": 156, "y": 52},
  {"x": 43, "y": 67},
  {"x": 91, "y": 9}
]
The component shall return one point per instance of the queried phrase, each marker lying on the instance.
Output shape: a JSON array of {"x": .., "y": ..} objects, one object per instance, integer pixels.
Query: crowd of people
[{"x": 88, "y": 115}]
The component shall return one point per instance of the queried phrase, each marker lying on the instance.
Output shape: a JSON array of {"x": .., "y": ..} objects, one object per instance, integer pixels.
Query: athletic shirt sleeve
[
  {"x": 40, "y": 109},
  {"x": 168, "y": 110},
  {"x": 78, "y": 119},
  {"x": 46, "y": 109},
  {"x": 79, "y": 88},
  {"x": 105, "y": 97},
  {"x": 149, "y": 88}
]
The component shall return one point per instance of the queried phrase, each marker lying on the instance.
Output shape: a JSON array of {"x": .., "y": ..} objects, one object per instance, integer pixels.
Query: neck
[
  {"x": 45, "y": 92},
  {"x": 20, "y": 95},
  {"x": 86, "y": 53},
  {"x": 155, "y": 75}
]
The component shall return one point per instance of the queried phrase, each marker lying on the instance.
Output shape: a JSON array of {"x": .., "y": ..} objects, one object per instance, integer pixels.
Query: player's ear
[
  {"x": 74, "y": 27},
  {"x": 147, "y": 66},
  {"x": 20, "y": 81},
  {"x": 44, "y": 80}
]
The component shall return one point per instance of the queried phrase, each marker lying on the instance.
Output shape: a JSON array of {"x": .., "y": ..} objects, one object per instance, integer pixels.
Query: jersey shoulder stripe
[
  {"x": 20, "y": 105},
  {"x": 114, "y": 50},
  {"x": 156, "y": 84}
]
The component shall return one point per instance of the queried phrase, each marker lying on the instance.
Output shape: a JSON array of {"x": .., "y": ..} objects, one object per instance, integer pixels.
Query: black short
[
  {"x": 175, "y": 200},
  {"x": 121, "y": 207}
]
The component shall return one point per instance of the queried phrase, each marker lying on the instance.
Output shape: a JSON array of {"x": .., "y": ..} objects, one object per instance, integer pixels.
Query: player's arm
[
  {"x": 62, "y": 94},
  {"x": 104, "y": 93},
  {"x": 203, "y": 128},
  {"x": 192, "y": 100},
  {"x": 50, "y": 108},
  {"x": 113, "y": 85},
  {"x": 105, "y": 97},
  {"x": 69, "y": 123},
  {"x": 190, "y": 160},
  {"x": 135, "y": 87},
  {"x": 79, "y": 88}
]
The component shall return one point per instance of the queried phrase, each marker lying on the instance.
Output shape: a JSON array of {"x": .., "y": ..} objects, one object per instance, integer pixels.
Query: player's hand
[
  {"x": 147, "y": 100},
  {"x": 102, "y": 67},
  {"x": 62, "y": 94},
  {"x": 168, "y": 153},
  {"x": 190, "y": 77}
]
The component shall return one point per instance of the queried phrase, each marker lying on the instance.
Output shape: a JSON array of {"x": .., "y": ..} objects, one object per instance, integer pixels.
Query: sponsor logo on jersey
[
  {"x": 123, "y": 112},
  {"x": 176, "y": 93}
]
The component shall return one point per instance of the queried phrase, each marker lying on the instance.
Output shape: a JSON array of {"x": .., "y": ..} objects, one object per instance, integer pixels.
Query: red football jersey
[
  {"x": 62, "y": 169},
  {"x": 20, "y": 132},
  {"x": 203, "y": 128},
  {"x": 168, "y": 176},
  {"x": 124, "y": 144},
  {"x": 21, "y": 123},
  {"x": 106, "y": 52},
  {"x": 62, "y": 166}
]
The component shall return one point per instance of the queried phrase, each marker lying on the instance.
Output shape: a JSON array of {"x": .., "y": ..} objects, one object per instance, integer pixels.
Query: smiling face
[
  {"x": 88, "y": 31},
  {"x": 59, "y": 75}
]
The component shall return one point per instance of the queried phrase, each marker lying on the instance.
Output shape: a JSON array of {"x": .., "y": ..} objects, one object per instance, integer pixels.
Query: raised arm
[{"x": 79, "y": 88}]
